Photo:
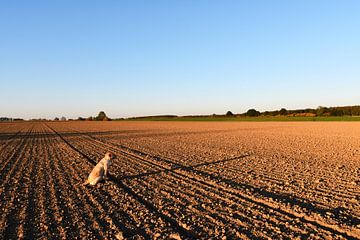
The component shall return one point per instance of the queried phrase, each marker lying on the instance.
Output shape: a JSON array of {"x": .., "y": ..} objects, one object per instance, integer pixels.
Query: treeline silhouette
[
  {"x": 7, "y": 119},
  {"x": 320, "y": 111},
  {"x": 307, "y": 112}
]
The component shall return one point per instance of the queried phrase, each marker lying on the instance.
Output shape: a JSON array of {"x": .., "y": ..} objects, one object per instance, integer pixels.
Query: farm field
[{"x": 181, "y": 180}]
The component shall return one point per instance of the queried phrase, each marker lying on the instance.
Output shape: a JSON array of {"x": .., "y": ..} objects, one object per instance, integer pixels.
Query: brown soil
[{"x": 181, "y": 180}]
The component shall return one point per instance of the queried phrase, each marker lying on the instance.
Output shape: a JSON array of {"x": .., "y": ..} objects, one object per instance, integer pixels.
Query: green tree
[
  {"x": 283, "y": 111},
  {"x": 229, "y": 114},
  {"x": 252, "y": 113},
  {"x": 101, "y": 116}
]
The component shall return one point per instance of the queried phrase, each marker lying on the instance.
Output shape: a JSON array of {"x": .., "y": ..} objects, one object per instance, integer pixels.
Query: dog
[{"x": 101, "y": 170}]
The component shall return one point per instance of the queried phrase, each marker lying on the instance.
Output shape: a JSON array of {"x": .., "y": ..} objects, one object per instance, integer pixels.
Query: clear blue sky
[{"x": 132, "y": 58}]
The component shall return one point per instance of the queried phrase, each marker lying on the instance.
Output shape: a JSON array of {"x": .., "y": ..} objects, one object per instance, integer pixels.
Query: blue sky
[{"x": 133, "y": 58}]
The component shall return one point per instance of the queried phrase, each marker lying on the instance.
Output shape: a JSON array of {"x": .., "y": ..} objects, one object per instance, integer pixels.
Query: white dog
[{"x": 101, "y": 170}]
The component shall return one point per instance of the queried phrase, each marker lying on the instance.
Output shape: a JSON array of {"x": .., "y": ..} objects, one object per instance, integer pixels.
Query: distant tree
[
  {"x": 283, "y": 111},
  {"x": 81, "y": 119},
  {"x": 63, "y": 118},
  {"x": 252, "y": 113},
  {"x": 89, "y": 118},
  {"x": 56, "y": 119},
  {"x": 5, "y": 119},
  {"x": 229, "y": 114},
  {"x": 102, "y": 117}
]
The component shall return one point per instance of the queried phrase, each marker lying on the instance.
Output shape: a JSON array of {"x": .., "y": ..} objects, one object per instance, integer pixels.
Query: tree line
[
  {"x": 307, "y": 112},
  {"x": 320, "y": 111},
  {"x": 7, "y": 119}
]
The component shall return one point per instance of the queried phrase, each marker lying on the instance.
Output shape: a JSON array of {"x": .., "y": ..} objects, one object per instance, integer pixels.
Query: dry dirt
[{"x": 181, "y": 180}]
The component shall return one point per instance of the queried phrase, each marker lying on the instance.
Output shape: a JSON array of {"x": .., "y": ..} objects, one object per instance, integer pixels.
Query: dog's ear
[{"x": 109, "y": 155}]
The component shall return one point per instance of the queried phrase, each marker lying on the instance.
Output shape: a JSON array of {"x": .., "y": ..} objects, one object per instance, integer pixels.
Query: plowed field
[{"x": 181, "y": 180}]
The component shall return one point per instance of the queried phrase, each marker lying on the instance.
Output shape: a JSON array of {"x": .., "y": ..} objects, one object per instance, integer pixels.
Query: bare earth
[{"x": 181, "y": 180}]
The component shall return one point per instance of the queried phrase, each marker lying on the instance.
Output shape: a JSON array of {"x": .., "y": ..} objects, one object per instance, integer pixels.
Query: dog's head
[{"x": 109, "y": 156}]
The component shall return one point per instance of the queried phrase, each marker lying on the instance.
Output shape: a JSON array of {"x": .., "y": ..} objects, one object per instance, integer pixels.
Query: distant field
[
  {"x": 181, "y": 180},
  {"x": 250, "y": 119}
]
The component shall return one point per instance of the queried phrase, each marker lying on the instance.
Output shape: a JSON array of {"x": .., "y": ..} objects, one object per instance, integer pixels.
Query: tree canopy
[{"x": 252, "y": 113}]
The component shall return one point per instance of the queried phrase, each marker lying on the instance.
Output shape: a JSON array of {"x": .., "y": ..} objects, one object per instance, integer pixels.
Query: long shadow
[
  {"x": 337, "y": 213},
  {"x": 147, "y": 204},
  {"x": 8, "y": 136},
  {"x": 181, "y": 167},
  {"x": 282, "y": 197}
]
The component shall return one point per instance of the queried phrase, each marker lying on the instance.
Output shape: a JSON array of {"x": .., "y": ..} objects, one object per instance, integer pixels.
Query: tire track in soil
[
  {"x": 77, "y": 217},
  {"x": 93, "y": 207},
  {"x": 287, "y": 198},
  {"x": 126, "y": 233},
  {"x": 50, "y": 224},
  {"x": 175, "y": 186},
  {"x": 309, "y": 205},
  {"x": 188, "y": 209},
  {"x": 216, "y": 216},
  {"x": 277, "y": 179},
  {"x": 103, "y": 201},
  {"x": 170, "y": 221},
  {"x": 91, "y": 204},
  {"x": 198, "y": 228},
  {"x": 24, "y": 218},
  {"x": 277, "y": 175},
  {"x": 64, "y": 217},
  {"x": 300, "y": 177},
  {"x": 207, "y": 216},
  {"x": 307, "y": 220}
]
